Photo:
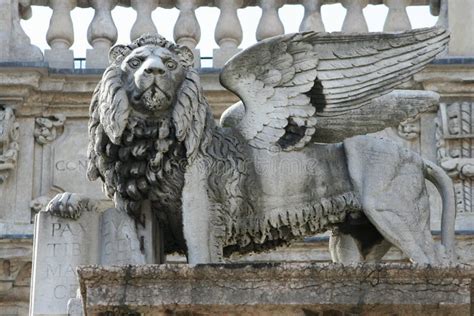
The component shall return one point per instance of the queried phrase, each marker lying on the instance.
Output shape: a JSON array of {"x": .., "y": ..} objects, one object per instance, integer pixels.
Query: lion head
[{"x": 152, "y": 75}]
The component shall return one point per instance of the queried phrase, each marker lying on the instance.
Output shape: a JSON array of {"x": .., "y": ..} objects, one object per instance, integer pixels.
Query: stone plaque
[
  {"x": 60, "y": 245},
  {"x": 121, "y": 243},
  {"x": 124, "y": 241},
  {"x": 70, "y": 162}
]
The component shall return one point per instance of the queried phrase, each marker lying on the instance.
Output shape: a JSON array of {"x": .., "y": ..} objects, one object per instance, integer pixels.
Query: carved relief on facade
[
  {"x": 455, "y": 150},
  {"x": 38, "y": 204},
  {"x": 47, "y": 129},
  {"x": 410, "y": 129},
  {"x": 9, "y": 132},
  {"x": 15, "y": 275}
]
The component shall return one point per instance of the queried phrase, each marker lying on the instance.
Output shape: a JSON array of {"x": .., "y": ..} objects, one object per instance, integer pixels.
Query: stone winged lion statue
[{"x": 284, "y": 163}]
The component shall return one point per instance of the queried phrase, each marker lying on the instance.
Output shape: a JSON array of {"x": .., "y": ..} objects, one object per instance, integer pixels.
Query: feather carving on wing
[{"x": 288, "y": 83}]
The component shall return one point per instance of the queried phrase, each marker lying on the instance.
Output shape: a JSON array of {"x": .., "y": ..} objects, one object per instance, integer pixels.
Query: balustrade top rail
[
  {"x": 102, "y": 32},
  {"x": 168, "y": 4}
]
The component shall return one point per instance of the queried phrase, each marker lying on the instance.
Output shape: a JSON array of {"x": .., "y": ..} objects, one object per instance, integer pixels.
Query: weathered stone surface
[
  {"x": 61, "y": 58},
  {"x": 60, "y": 245},
  {"x": 455, "y": 155},
  {"x": 9, "y": 133},
  {"x": 16, "y": 45},
  {"x": 74, "y": 307},
  {"x": 69, "y": 162},
  {"x": 15, "y": 274},
  {"x": 34, "y": 91},
  {"x": 93, "y": 233},
  {"x": 278, "y": 289},
  {"x": 459, "y": 13},
  {"x": 123, "y": 241}
]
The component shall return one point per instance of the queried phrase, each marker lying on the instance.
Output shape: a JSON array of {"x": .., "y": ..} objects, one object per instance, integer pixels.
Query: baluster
[
  {"x": 101, "y": 34},
  {"x": 461, "y": 24},
  {"x": 439, "y": 8},
  {"x": 60, "y": 35},
  {"x": 187, "y": 31},
  {"x": 312, "y": 20},
  {"x": 270, "y": 23},
  {"x": 144, "y": 23},
  {"x": 354, "y": 22},
  {"x": 5, "y": 29},
  {"x": 15, "y": 45},
  {"x": 228, "y": 34},
  {"x": 397, "y": 17}
]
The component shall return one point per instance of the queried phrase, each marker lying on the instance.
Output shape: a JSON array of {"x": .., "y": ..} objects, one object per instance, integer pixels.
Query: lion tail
[{"x": 443, "y": 183}]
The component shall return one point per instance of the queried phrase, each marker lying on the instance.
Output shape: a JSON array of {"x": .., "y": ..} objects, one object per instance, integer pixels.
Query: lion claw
[{"x": 68, "y": 205}]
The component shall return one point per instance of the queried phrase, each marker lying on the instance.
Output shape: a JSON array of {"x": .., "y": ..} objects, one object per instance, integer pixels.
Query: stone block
[
  {"x": 101, "y": 235},
  {"x": 69, "y": 162},
  {"x": 460, "y": 19},
  {"x": 222, "y": 55},
  {"x": 59, "y": 58},
  {"x": 197, "y": 58},
  {"x": 74, "y": 307},
  {"x": 60, "y": 245},
  {"x": 278, "y": 289},
  {"x": 120, "y": 242},
  {"x": 97, "y": 58}
]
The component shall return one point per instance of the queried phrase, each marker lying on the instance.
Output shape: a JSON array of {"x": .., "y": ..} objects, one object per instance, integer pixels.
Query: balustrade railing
[{"x": 102, "y": 32}]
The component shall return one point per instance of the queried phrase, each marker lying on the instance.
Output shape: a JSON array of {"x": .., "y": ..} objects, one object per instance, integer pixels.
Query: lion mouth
[{"x": 154, "y": 98}]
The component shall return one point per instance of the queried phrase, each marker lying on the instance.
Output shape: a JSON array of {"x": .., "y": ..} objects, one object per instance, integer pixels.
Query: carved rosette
[
  {"x": 47, "y": 129},
  {"x": 9, "y": 132},
  {"x": 455, "y": 149}
]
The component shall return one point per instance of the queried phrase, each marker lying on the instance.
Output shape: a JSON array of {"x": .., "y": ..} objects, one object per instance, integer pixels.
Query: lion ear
[
  {"x": 186, "y": 55},
  {"x": 118, "y": 50}
]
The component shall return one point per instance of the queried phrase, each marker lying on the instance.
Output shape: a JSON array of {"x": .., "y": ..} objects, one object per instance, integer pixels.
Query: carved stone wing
[{"x": 286, "y": 81}]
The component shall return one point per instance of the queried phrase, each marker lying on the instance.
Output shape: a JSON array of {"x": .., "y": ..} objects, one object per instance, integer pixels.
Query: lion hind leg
[
  {"x": 344, "y": 248},
  {"x": 391, "y": 186},
  {"x": 357, "y": 243},
  {"x": 410, "y": 234}
]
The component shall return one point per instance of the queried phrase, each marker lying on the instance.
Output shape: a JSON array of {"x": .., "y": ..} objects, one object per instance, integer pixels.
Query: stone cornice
[{"x": 272, "y": 287}]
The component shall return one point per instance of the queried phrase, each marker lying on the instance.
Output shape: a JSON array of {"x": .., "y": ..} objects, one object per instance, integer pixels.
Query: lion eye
[
  {"x": 134, "y": 62},
  {"x": 170, "y": 64}
]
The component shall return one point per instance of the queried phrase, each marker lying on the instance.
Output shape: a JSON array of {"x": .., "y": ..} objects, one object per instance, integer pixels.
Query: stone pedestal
[
  {"x": 59, "y": 58},
  {"x": 99, "y": 236},
  {"x": 222, "y": 55},
  {"x": 197, "y": 58},
  {"x": 97, "y": 58},
  {"x": 460, "y": 20},
  {"x": 122, "y": 242},
  {"x": 277, "y": 289},
  {"x": 60, "y": 245}
]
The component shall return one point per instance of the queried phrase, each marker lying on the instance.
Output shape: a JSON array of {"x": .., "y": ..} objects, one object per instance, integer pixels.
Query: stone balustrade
[{"x": 102, "y": 31}]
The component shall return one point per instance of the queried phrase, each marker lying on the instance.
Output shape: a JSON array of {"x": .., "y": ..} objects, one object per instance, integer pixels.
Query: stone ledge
[{"x": 278, "y": 289}]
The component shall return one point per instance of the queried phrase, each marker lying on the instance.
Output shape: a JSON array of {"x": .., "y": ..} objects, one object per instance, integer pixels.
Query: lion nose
[{"x": 156, "y": 68}]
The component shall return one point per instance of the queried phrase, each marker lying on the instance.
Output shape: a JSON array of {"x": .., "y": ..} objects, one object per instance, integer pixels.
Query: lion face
[{"x": 153, "y": 75}]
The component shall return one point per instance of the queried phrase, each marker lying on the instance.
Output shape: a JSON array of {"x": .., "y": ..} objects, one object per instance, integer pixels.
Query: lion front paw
[{"x": 69, "y": 205}]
